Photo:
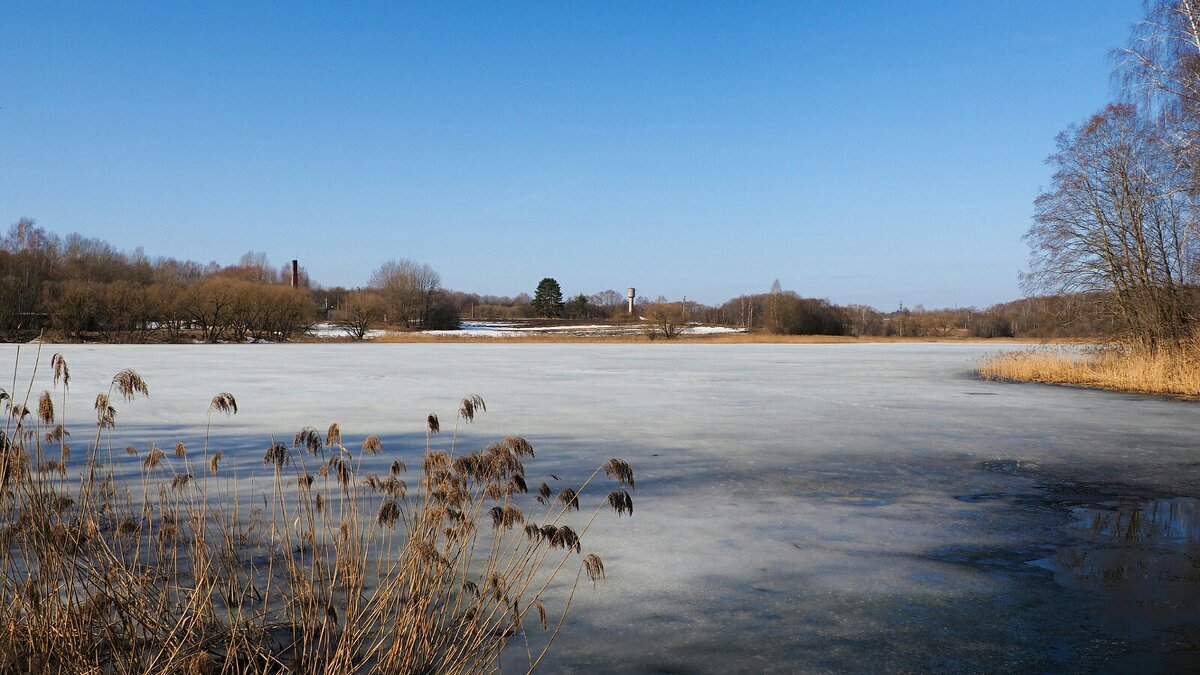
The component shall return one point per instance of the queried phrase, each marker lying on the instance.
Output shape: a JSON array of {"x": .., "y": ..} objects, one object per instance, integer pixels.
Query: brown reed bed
[
  {"x": 1163, "y": 372},
  {"x": 329, "y": 562}
]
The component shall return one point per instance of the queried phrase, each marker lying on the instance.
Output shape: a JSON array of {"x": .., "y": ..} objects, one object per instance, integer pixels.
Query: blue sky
[{"x": 866, "y": 152}]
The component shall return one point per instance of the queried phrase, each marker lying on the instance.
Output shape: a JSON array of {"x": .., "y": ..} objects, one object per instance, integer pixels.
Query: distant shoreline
[
  {"x": 721, "y": 339},
  {"x": 724, "y": 338}
]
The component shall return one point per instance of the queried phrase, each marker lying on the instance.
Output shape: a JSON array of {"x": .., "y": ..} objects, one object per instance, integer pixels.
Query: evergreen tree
[
  {"x": 578, "y": 307},
  {"x": 548, "y": 299}
]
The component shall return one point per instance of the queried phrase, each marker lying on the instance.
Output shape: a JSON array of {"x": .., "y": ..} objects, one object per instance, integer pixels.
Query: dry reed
[
  {"x": 338, "y": 572},
  {"x": 1164, "y": 372}
]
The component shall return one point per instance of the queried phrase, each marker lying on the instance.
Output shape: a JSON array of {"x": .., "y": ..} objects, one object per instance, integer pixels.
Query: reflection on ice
[
  {"x": 1139, "y": 560},
  {"x": 1154, "y": 522},
  {"x": 1145, "y": 544}
]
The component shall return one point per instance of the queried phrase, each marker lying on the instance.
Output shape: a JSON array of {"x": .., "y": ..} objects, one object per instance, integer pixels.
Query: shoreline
[{"x": 712, "y": 338}]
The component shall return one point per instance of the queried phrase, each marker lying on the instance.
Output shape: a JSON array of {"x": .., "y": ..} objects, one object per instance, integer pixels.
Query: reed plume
[
  {"x": 277, "y": 455},
  {"x": 594, "y": 566},
  {"x": 61, "y": 371},
  {"x": 308, "y": 439},
  {"x": 128, "y": 383},
  {"x": 152, "y": 458},
  {"x": 469, "y": 406},
  {"x": 45, "y": 408},
  {"x": 224, "y": 403},
  {"x": 372, "y": 445}
]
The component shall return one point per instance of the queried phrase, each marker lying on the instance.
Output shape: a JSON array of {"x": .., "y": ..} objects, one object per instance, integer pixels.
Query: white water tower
[{"x": 630, "y": 294}]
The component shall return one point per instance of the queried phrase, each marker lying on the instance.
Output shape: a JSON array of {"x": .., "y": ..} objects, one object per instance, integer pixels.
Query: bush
[{"x": 664, "y": 319}]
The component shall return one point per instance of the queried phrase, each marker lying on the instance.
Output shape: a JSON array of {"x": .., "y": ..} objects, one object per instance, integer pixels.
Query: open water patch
[
  {"x": 1140, "y": 556},
  {"x": 1132, "y": 559},
  {"x": 1132, "y": 555}
]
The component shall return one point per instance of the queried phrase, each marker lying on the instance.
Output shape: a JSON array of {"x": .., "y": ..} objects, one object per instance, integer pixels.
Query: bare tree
[
  {"x": 1117, "y": 220},
  {"x": 1160, "y": 71},
  {"x": 864, "y": 320},
  {"x": 664, "y": 319},
  {"x": 360, "y": 310},
  {"x": 284, "y": 312},
  {"x": 408, "y": 289},
  {"x": 257, "y": 268},
  {"x": 210, "y": 306},
  {"x": 28, "y": 258}
]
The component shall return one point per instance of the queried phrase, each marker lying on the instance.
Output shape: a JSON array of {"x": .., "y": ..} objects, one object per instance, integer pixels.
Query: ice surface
[{"x": 811, "y": 508}]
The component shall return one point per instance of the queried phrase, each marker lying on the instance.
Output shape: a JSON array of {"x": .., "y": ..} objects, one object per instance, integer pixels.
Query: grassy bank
[{"x": 1163, "y": 373}]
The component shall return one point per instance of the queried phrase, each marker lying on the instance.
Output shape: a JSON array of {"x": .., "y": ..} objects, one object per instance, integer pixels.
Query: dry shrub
[
  {"x": 1169, "y": 372},
  {"x": 336, "y": 569}
]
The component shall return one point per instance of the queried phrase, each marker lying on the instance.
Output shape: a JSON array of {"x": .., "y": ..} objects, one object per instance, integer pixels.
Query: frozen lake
[{"x": 799, "y": 508}]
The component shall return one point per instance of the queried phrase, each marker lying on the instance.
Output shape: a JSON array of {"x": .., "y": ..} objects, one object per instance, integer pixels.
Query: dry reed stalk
[
  {"x": 1173, "y": 372},
  {"x": 167, "y": 578}
]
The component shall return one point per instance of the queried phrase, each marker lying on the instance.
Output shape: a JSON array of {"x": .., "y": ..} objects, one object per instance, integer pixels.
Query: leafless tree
[
  {"x": 408, "y": 289},
  {"x": 284, "y": 313},
  {"x": 611, "y": 301},
  {"x": 864, "y": 320},
  {"x": 359, "y": 311},
  {"x": 664, "y": 319},
  {"x": 1117, "y": 219},
  {"x": 1160, "y": 72},
  {"x": 257, "y": 268},
  {"x": 210, "y": 306}
]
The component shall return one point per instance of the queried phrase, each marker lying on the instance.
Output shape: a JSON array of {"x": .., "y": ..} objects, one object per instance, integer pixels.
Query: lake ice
[{"x": 799, "y": 508}]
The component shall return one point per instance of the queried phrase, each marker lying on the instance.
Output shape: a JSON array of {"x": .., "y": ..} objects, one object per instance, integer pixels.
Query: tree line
[
  {"x": 364, "y": 307},
  {"x": 81, "y": 288},
  {"x": 78, "y": 288},
  {"x": 788, "y": 313}
]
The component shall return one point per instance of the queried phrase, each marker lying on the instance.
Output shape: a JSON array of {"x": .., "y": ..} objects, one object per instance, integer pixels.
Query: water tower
[{"x": 630, "y": 293}]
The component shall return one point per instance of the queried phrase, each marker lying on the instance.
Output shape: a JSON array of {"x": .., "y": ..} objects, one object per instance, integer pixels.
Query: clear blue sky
[{"x": 867, "y": 152}]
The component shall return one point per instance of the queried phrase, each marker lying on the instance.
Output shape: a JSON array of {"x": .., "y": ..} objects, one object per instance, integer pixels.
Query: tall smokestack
[{"x": 295, "y": 274}]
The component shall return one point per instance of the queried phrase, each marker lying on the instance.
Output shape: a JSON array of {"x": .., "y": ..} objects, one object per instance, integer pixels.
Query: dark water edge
[{"x": 1090, "y": 577}]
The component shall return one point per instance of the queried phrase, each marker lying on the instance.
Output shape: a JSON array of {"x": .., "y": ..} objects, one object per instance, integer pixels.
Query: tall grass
[
  {"x": 1169, "y": 372},
  {"x": 321, "y": 559}
]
